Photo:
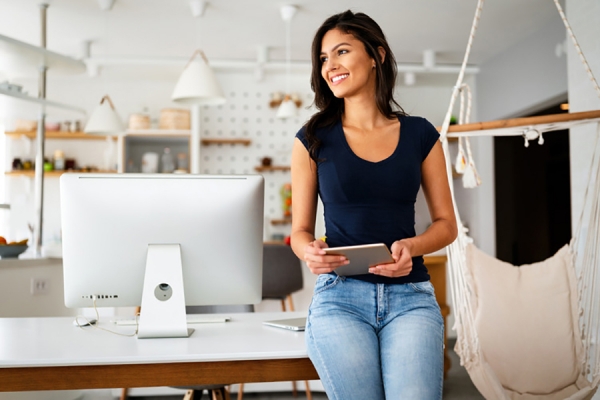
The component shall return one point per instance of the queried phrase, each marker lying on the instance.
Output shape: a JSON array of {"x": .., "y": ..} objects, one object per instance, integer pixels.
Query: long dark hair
[{"x": 365, "y": 29}]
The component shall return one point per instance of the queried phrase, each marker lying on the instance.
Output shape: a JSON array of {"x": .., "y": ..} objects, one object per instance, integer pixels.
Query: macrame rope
[{"x": 577, "y": 48}]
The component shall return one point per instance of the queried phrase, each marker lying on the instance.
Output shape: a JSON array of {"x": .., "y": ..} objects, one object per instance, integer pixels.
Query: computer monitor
[{"x": 161, "y": 241}]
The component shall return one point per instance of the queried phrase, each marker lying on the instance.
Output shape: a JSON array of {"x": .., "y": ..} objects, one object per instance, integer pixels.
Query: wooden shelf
[
  {"x": 31, "y": 173},
  {"x": 284, "y": 221},
  {"x": 58, "y": 135},
  {"x": 272, "y": 168},
  {"x": 208, "y": 142}
]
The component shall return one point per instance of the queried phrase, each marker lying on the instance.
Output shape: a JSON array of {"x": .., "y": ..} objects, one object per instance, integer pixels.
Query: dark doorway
[{"x": 533, "y": 198}]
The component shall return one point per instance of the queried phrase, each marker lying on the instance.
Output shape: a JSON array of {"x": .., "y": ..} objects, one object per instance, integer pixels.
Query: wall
[
  {"x": 582, "y": 97},
  {"x": 511, "y": 84}
]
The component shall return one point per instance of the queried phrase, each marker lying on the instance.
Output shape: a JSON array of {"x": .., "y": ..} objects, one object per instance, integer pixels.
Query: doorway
[{"x": 533, "y": 195}]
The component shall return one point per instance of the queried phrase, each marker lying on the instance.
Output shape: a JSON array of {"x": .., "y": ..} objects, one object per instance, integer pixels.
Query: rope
[{"x": 577, "y": 48}]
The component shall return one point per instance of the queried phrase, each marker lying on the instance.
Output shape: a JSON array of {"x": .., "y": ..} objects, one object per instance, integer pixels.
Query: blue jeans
[{"x": 376, "y": 341}]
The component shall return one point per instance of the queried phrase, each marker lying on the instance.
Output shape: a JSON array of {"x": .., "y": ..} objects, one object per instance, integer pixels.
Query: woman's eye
[
  {"x": 340, "y": 52},
  {"x": 323, "y": 59}
]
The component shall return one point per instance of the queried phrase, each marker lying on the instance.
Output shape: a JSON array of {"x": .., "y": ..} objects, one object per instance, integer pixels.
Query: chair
[{"x": 282, "y": 276}]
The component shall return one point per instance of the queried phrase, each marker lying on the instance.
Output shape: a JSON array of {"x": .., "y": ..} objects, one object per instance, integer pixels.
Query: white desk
[{"x": 53, "y": 354}]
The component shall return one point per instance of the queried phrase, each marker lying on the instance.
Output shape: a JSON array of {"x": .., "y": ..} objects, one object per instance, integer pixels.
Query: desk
[{"x": 53, "y": 354}]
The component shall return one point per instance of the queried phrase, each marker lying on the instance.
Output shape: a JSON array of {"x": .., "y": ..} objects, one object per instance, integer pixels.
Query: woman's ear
[{"x": 381, "y": 51}]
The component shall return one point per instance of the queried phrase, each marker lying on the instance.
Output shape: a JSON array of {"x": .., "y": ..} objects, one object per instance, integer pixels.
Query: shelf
[
  {"x": 208, "y": 142},
  {"x": 158, "y": 132},
  {"x": 58, "y": 135},
  {"x": 31, "y": 173},
  {"x": 21, "y": 57},
  {"x": 44, "y": 102},
  {"x": 272, "y": 168},
  {"x": 284, "y": 221}
]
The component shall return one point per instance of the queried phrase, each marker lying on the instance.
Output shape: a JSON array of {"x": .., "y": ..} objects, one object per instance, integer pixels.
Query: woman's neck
[{"x": 361, "y": 112}]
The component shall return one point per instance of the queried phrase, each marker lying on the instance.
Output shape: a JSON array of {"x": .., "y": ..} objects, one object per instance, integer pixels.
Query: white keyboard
[{"x": 191, "y": 319}]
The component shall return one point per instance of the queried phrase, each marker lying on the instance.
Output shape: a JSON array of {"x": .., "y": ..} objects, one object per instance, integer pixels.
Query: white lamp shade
[
  {"x": 104, "y": 120},
  {"x": 198, "y": 85},
  {"x": 287, "y": 109}
]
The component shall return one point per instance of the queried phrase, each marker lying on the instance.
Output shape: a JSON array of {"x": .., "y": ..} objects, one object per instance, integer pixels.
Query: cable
[{"x": 95, "y": 325}]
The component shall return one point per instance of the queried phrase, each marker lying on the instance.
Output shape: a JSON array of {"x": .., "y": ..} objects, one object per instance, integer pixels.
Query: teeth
[{"x": 339, "y": 78}]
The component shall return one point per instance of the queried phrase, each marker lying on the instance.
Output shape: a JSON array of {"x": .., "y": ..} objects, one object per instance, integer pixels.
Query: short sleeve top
[{"x": 373, "y": 202}]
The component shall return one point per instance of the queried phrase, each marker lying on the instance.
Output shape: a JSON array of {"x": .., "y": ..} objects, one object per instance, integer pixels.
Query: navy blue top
[{"x": 373, "y": 202}]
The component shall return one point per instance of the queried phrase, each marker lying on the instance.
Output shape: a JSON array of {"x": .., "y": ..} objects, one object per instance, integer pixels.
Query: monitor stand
[{"x": 163, "y": 301}]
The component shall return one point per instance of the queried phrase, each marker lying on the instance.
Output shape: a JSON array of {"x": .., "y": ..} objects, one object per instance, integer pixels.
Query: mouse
[{"x": 84, "y": 323}]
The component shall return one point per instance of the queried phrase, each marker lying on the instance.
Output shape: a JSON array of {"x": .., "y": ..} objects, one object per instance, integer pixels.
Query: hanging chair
[{"x": 531, "y": 331}]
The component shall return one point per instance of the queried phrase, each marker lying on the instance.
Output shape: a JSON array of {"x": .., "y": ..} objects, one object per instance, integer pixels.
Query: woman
[{"x": 379, "y": 335}]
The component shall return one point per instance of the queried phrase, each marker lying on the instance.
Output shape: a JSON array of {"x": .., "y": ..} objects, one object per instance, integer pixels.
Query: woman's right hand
[{"x": 320, "y": 263}]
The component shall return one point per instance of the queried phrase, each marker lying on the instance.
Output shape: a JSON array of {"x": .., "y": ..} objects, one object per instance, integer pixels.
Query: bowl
[{"x": 12, "y": 251}]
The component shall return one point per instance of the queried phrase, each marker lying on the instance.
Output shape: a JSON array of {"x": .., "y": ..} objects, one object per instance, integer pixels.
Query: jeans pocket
[
  {"x": 324, "y": 282},
  {"x": 423, "y": 287}
]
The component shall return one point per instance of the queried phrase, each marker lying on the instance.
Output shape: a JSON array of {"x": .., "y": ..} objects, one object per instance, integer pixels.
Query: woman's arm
[
  {"x": 442, "y": 230},
  {"x": 304, "y": 210}
]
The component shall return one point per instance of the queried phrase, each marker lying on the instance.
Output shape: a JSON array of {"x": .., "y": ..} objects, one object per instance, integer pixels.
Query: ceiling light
[
  {"x": 287, "y": 108},
  {"x": 104, "y": 120},
  {"x": 198, "y": 7},
  {"x": 198, "y": 83},
  {"x": 106, "y": 5}
]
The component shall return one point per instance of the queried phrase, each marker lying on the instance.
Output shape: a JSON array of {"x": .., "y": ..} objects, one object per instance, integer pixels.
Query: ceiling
[{"x": 233, "y": 29}]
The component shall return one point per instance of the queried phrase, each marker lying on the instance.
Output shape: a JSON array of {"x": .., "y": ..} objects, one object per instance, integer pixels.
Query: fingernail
[{"x": 372, "y": 270}]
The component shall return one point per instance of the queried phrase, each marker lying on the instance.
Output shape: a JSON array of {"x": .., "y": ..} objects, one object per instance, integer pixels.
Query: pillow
[{"x": 527, "y": 322}]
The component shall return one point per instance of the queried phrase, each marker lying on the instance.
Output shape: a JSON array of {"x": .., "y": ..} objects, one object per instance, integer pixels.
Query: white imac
[{"x": 162, "y": 241}]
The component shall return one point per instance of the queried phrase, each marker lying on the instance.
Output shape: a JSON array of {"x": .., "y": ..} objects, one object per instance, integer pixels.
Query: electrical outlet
[{"x": 39, "y": 286}]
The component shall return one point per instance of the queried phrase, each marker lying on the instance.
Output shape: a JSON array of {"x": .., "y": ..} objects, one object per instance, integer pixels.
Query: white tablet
[{"x": 361, "y": 257}]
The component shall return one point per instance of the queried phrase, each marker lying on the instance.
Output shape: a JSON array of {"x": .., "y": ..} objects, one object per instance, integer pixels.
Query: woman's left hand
[{"x": 402, "y": 265}]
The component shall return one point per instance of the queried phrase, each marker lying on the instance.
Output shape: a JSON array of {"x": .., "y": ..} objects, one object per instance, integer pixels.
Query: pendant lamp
[
  {"x": 198, "y": 83},
  {"x": 104, "y": 120},
  {"x": 287, "y": 109}
]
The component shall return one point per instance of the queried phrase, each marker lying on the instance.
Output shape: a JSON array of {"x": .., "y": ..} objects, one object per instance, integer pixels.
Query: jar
[
  {"x": 167, "y": 161},
  {"x": 59, "y": 160}
]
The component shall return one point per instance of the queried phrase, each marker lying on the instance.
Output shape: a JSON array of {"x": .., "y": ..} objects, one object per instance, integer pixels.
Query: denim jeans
[{"x": 376, "y": 341}]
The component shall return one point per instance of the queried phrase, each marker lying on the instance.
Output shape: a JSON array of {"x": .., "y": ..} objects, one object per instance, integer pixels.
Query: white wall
[{"x": 584, "y": 18}]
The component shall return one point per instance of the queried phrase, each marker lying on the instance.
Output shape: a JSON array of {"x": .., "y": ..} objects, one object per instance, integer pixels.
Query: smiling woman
[{"x": 379, "y": 334}]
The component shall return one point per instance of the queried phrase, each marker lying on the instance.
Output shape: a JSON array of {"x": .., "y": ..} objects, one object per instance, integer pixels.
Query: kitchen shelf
[
  {"x": 21, "y": 56},
  {"x": 44, "y": 102},
  {"x": 158, "y": 132},
  {"x": 58, "y": 135},
  {"x": 208, "y": 142},
  {"x": 262, "y": 168},
  {"x": 284, "y": 221},
  {"x": 31, "y": 173}
]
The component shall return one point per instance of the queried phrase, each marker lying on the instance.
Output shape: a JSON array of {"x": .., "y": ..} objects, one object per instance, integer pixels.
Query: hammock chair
[{"x": 527, "y": 332}]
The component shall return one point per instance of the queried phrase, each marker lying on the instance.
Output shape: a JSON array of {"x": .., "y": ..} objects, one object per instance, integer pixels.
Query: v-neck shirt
[{"x": 372, "y": 202}]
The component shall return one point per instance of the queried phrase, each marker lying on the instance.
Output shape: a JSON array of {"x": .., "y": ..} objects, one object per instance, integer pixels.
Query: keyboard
[{"x": 191, "y": 319}]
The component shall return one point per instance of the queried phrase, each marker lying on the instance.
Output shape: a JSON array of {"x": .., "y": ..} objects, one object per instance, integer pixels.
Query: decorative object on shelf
[
  {"x": 182, "y": 163},
  {"x": 150, "y": 163},
  {"x": 104, "y": 120},
  {"x": 174, "y": 119},
  {"x": 24, "y": 125},
  {"x": 198, "y": 83},
  {"x": 277, "y": 99},
  {"x": 287, "y": 108},
  {"x": 17, "y": 165},
  {"x": 167, "y": 161},
  {"x": 52, "y": 126},
  {"x": 59, "y": 160},
  {"x": 139, "y": 121},
  {"x": 286, "y": 199},
  {"x": 266, "y": 161}
]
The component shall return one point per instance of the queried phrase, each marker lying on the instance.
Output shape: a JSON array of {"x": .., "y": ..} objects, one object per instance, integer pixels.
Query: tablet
[
  {"x": 292, "y": 324},
  {"x": 361, "y": 257}
]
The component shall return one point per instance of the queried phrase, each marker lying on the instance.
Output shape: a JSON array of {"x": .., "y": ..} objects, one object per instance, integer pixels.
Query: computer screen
[{"x": 122, "y": 232}]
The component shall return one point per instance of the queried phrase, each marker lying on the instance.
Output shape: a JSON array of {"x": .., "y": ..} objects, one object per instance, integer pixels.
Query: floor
[{"x": 457, "y": 386}]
